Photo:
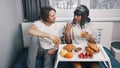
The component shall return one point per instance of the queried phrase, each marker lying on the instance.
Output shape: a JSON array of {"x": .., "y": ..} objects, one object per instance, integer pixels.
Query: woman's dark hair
[
  {"x": 82, "y": 11},
  {"x": 45, "y": 12}
]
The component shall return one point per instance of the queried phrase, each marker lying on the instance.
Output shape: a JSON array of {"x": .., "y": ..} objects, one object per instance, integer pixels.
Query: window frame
[{"x": 95, "y": 14}]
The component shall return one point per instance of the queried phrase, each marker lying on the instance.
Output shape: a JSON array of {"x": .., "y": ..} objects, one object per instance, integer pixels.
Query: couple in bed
[{"x": 48, "y": 36}]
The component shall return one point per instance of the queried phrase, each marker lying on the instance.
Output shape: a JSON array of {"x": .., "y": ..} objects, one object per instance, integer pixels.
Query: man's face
[{"x": 52, "y": 16}]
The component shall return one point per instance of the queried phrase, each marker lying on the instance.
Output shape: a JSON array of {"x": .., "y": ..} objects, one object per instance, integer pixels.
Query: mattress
[{"x": 22, "y": 61}]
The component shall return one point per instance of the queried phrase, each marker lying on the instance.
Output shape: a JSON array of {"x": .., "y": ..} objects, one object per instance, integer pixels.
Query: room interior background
[{"x": 11, "y": 16}]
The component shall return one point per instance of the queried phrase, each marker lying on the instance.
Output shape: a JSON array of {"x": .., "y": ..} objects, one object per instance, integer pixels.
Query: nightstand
[{"x": 115, "y": 48}]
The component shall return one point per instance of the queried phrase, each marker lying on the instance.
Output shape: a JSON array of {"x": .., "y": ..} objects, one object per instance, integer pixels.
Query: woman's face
[{"x": 77, "y": 18}]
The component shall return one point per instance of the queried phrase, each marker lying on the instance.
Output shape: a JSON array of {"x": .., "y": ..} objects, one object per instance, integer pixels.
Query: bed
[{"x": 22, "y": 61}]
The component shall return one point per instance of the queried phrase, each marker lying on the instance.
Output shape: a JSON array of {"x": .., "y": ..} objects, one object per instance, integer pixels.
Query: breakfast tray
[{"x": 100, "y": 56}]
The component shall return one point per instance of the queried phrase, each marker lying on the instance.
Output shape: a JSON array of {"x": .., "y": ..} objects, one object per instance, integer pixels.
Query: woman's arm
[
  {"x": 88, "y": 36},
  {"x": 67, "y": 33},
  {"x": 91, "y": 39},
  {"x": 68, "y": 38},
  {"x": 90, "y": 33}
]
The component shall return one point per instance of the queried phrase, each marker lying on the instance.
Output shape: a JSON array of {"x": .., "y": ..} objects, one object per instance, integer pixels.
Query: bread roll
[
  {"x": 93, "y": 47},
  {"x": 89, "y": 50},
  {"x": 69, "y": 47}
]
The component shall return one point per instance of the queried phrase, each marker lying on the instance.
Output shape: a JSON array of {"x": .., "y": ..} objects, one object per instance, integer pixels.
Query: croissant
[
  {"x": 93, "y": 46},
  {"x": 89, "y": 50},
  {"x": 69, "y": 47}
]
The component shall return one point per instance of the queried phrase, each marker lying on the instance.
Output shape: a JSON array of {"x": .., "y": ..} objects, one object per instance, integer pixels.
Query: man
[{"x": 49, "y": 38}]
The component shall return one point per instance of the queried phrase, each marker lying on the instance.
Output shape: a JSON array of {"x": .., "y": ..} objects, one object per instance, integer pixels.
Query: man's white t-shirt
[
  {"x": 54, "y": 29},
  {"x": 76, "y": 33}
]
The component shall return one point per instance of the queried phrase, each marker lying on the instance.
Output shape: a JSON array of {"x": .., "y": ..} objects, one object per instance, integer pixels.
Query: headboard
[
  {"x": 26, "y": 36},
  {"x": 106, "y": 37}
]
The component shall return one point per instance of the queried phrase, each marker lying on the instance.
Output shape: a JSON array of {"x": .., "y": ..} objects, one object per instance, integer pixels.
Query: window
[
  {"x": 99, "y": 9},
  {"x": 105, "y": 9},
  {"x": 105, "y": 4},
  {"x": 65, "y": 4},
  {"x": 65, "y": 8}
]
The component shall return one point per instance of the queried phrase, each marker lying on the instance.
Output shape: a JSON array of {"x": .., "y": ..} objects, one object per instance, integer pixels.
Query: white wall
[
  {"x": 106, "y": 33},
  {"x": 116, "y": 31},
  {"x": 10, "y": 35}
]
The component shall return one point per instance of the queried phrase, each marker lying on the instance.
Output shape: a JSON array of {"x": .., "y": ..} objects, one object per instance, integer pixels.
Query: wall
[
  {"x": 106, "y": 32},
  {"x": 10, "y": 33},
  {"x": 116, "y": 31}
]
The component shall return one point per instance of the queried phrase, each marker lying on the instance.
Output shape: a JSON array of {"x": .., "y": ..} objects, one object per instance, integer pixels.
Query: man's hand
[
  {"x": 52, "y": 37},
  {"x": 51, "y": 51},
  {"x": 56, "y": 40}
]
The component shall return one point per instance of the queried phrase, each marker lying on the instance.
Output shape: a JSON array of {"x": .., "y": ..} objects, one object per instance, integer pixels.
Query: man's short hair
[{"x": 45, "y": 12}]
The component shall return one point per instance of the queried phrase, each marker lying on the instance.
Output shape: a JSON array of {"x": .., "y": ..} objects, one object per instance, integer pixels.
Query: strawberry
[
  {"x": 91, "y": 55},
  {"x": 87, "y": 55}
]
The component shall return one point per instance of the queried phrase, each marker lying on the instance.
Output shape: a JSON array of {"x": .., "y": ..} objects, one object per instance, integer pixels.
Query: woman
[{"x": 80, "y": 31}]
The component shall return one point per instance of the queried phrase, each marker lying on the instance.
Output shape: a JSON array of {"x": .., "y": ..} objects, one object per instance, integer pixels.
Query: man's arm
[
  {"x": 34, "y": 31},
  {"x": 57, "y": 42}
]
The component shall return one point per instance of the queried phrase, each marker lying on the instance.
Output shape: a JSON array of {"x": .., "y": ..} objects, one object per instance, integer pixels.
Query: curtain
[{"x": 31, "y": 9}]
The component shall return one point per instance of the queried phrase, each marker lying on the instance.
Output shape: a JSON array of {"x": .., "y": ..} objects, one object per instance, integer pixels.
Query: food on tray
[
  {"x": 91, "y": 55},
  {"x": 69, "y": 55},
  {"x": 69, "y": 47},
  {"x": 63, "y": 52},
  {"x": 92, "y": 48},
  {"x": 81, "y": 55},
  {"x": 85, "y": 55},
  {"x": 89, "y": 50},
  {"x": 78, "y": 49}
]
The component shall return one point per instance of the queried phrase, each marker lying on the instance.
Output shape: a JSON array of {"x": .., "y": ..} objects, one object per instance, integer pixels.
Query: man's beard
[{"x": 53, "y": 21}]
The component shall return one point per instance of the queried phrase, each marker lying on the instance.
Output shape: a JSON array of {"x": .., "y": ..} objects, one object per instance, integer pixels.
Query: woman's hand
[
  {"x": 88, "y": 36},
  {"x": 68, "y": 28},
  {"x": 67, "y": 33}
]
